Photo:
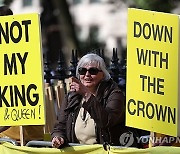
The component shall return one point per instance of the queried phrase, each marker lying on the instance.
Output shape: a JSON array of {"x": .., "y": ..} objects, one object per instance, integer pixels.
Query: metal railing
[
  {"x": 46, "y": 144},
  {"x": 14, "y": 142}
]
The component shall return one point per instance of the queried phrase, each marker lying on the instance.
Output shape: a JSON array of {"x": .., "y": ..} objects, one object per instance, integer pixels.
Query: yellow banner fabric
[{"x": 8, "y": 148}]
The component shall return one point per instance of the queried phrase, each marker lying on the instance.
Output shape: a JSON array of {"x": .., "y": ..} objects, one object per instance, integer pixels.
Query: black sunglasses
[{"x": 92, "y": 70}]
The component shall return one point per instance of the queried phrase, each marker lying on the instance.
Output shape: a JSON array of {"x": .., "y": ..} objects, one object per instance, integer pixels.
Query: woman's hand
[
  {"x": 76, "y": 85},
  {"x": 57, "y": 142}
]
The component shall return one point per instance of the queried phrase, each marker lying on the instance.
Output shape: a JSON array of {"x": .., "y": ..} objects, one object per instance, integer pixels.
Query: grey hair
[{"x": 93, "y": 58}]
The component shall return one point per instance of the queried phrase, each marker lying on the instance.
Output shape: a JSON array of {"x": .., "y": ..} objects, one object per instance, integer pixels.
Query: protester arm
[{"x": 111, "y": 114}]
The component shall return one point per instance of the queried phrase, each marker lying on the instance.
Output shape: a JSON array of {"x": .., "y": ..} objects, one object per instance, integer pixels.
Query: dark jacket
[{"x": 107, "y": 109}]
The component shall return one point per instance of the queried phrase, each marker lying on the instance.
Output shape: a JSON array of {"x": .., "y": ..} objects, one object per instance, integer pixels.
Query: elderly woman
[{"x": 93, "y": 110}]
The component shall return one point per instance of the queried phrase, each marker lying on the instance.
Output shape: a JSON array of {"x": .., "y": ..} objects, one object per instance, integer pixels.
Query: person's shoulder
[
  {"x": 116, "y": 89},
  {"x": 5, "y": 10},
  {"x": 110, "y": 86}
]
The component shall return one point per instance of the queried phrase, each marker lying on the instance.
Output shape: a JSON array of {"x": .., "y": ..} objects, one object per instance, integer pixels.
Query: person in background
[
  {"x": 5, "y": 10},
  {"x": 93, "y": 112},
  {"x": 158, "y": 139},
  {"x": 13, "y": 132}
]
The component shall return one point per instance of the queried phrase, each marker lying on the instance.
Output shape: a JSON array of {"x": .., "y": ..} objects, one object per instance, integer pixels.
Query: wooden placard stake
[{"x": 21, "y": 136}]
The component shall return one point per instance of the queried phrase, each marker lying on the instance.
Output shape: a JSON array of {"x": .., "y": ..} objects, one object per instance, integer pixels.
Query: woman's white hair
[{"x": 95, "y": 59}]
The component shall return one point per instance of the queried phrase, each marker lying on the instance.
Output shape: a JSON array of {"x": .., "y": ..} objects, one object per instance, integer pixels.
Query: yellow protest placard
[
  {"x": 21, "y": 73},
  {"x": 152, "y": 71}
]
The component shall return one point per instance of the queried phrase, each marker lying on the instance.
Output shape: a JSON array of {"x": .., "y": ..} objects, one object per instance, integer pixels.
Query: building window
[
  {"x": 78, "y": 31},
  {"x": 111, "y": 1},
  {"x": 76, "y": 1},
  {"x": 93, "y": 33},
  {"x": 27, "y": 3},
  {"x": 94, "y": 1}
]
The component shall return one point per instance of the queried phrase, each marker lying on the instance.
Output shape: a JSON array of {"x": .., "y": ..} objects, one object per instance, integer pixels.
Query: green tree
[{"x": 155, "y": 5}]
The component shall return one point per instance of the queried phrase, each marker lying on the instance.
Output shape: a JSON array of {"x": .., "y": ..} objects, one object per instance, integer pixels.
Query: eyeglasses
[{"x": 92, "y": 70}]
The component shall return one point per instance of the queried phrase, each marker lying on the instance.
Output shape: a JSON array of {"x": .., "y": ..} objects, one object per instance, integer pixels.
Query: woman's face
[{"x": 89, "y": 80}]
